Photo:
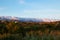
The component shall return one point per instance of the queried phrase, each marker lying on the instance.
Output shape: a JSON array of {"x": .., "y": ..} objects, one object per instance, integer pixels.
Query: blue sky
[{"x": 30, "y": 8}]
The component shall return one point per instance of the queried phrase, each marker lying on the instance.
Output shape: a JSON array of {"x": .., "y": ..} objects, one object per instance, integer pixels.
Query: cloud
[
  {"x": 48, "y": 13},
  {"x": 41, "y": 11},
  {"x": 1, "y": 8},
  {"x": 21, "y": 1}
]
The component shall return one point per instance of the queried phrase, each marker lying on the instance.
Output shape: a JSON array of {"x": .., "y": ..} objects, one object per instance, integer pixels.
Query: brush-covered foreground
[{"x": 16, "y": 30}]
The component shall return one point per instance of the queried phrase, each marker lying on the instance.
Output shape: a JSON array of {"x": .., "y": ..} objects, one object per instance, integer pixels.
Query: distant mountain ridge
[{"x": 26, "y": 19}]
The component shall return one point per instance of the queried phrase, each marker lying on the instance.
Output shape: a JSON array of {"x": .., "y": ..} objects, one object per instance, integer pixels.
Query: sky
[{"x": 30, "y": 8}]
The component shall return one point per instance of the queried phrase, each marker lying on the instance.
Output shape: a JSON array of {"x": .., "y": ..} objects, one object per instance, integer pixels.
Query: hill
[{"x": 22, "y": 27}]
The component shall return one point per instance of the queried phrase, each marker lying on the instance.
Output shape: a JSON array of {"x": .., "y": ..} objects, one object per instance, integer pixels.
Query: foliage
[{"x": 29, "y": 30}]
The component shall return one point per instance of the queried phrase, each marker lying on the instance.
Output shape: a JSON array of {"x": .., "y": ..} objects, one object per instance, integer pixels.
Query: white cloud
[
  {"x": 41, "y": 11},
  {"x": 48, "y": 13},
  {"x": 21, "y": 1},
  {"x": 1, "y": 8}
]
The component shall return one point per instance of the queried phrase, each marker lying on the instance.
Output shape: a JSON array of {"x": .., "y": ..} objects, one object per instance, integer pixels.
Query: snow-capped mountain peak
[{"x": 26, "y": 19}]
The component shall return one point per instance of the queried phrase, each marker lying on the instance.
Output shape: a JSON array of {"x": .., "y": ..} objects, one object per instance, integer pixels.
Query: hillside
[{"x": 9, "y": 27}]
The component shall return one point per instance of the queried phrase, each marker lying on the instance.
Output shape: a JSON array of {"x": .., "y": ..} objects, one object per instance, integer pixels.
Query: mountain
[{"x": 25, "y": 19}]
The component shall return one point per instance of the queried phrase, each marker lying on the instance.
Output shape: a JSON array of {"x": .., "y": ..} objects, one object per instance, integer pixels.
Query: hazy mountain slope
[{"x": 25, "y": 19}]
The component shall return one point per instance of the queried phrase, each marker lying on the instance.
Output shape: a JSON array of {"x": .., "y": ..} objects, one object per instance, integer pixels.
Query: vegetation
[{"x": 16, "y": 30}]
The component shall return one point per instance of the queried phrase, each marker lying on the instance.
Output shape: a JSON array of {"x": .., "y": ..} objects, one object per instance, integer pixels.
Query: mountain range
[{"x": 27, "y": 19}]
